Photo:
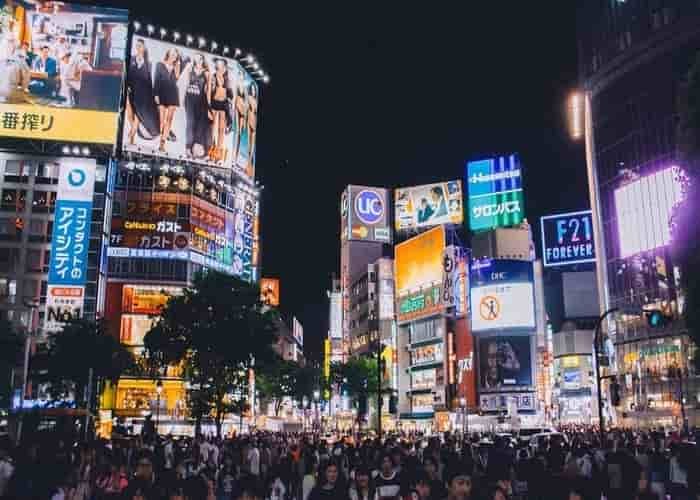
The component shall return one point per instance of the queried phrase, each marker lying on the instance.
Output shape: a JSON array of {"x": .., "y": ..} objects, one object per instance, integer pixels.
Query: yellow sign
[{"x": 28, "y": 121}]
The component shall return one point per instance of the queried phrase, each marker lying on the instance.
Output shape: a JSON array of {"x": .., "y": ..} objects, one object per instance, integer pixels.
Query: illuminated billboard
[
  {"x": 567, "y": 238},
  {"x": 270, "y": 291},
  {"x": 187, "y": 217},
  {"x": 419, "y": 275},
  {"x": 63, "y": 64},
  {"x": 186, "y": 103},
  {"x": 505, "y": 362},
  {"x": 70, "y": 242},
  {"x": 298, "y": 331},
  {"x": 644, "y": 208},
  {"x": 495, "y": 193},
  {"x": 502, "y": 295},
  {"x": 367, "y": 211},
  {"x": 429, "y": 205}
]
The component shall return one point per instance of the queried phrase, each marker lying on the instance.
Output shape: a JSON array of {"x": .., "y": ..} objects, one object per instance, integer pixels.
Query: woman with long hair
[
  {"x": 241, "y": 110},
  {"x": 166, "y": 93},
  {"x": 220, "y": 95},
  {"x": 141, "y": 111},
  {"x": 252, "y": 125},
  {"x": 197, "y": 107}
]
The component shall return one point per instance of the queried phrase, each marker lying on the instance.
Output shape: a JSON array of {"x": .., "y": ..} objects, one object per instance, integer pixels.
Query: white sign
[
  {"x": 63, "y": 304},
  {"x": 502, "y": 305}
]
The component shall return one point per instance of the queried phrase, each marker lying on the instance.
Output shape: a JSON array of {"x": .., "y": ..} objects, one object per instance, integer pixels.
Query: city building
[{"x": 634, "y": 57}]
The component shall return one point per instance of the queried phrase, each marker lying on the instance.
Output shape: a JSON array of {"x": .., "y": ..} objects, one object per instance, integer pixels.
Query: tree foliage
[
  {"x": 686, "y": 230},
  {"x": 278, "y": 381},
  {"x": 11, "y": 349},
  {"x": 357, "y": 376},
  {"x": 216, "y": 329},
  {"x": 83, "y": 345}
]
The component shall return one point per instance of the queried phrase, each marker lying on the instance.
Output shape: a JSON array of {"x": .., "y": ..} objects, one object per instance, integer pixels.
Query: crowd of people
[{"x": 574, "y": 465}]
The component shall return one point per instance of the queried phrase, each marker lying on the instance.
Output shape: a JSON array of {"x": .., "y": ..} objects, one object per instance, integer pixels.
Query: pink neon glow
[{"x": 644, "y": 208}]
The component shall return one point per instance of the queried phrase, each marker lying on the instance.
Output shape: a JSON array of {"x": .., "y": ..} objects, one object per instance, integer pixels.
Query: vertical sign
[
  {"x": 495, "y": 193},
  {"x": 70, "y": 242}
]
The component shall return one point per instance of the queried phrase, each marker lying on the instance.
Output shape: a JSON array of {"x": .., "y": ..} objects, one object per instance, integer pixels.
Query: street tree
[
  {"x": 357, "y": 378},
  {"x": 686, "y": 230},
  {"x": 216, "y": 330},
  {"x": 83, "y": 348},
  {"x": 277, "y": 382},
  {"x": 11, "y": 349}
]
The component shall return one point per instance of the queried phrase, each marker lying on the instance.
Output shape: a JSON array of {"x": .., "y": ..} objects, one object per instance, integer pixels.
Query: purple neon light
[{"x": 644, "y": 208}]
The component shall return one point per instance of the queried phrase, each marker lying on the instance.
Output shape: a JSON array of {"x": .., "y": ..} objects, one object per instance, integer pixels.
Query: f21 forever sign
[
  {"x": 70, "y": 242},
  {"x": 567, "y": 238}
]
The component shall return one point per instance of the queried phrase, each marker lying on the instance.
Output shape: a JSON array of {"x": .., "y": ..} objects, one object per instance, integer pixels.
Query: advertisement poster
[
  {"x": 368, "y": 214},
  {"x": 505, "y": 362},
  {"x": 186, "y": 103},
  {"x": 502, "y": 295},
  {"x": 466, "y": 365},
  {"x": 62, "y": 64},
  {"x": 567, "y": 238},
  {"x": 419, "y": 275},
  {"x": 70, "y": 242},
  {"x": 495, "y": 193},
  {"x": 270, "y": 291},
  {"x": 147, "y": 299},
  {"x": 428, "y": 205}
]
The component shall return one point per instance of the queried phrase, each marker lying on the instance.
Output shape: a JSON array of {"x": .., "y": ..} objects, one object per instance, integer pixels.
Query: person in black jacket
[{"x": 331, "y": 487}]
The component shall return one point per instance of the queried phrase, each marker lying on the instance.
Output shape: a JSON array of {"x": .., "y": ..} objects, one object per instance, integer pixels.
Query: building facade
[{"x": 634, "y": 57}]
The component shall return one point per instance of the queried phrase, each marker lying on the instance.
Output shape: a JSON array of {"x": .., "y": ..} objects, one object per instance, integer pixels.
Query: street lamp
[
  {"x": 465, "y": 416},
  {"x": 317, "y": 396},
  {"x": 159, "y": 391}
]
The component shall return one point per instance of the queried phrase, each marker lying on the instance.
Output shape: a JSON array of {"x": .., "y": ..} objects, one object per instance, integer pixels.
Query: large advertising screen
[
  {"x": 367, "y": 209},
  {"x": 419, "y": 275},
  {"x": 62, "y": 65},
  {"x": 429, "y": 205},
  {"x": 505, "y": 362},
  {"x": 189, "y": 104},
  {"x": 495, "y": 193},
  {"x": 567, "y": 238},
  {"x": 70, "y": 242},
  {"x": 644, "y": 208},
  {"x": 502, "y": 295}
]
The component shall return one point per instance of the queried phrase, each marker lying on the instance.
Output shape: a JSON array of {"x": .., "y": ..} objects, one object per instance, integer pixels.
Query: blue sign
[
  {"x": 567, "y": 239},
  {"x": 70, "y": 242},
  {"x": 369, "y": 207},
  {"x": 490, "y": 271},
  {"x": 495, "y": 193}
]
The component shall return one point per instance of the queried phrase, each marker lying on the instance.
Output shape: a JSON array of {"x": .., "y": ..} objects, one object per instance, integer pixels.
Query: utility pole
[{"x": 598, "y": 348}]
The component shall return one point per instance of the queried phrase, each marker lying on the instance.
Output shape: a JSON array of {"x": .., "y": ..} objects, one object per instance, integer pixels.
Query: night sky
[{"x": 390, "y": 96}]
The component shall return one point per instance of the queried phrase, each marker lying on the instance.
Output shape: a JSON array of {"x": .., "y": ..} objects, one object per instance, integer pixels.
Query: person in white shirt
[
  {"x": 6, "y": 471},
  {"x": 254, "y": 460}
]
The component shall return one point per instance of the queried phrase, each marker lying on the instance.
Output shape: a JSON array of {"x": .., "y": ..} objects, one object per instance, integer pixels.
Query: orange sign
[
  {"x": 489, "y": 308},
  {"x": 419, "y": 262},
  {"x": 270, "y": 291}
]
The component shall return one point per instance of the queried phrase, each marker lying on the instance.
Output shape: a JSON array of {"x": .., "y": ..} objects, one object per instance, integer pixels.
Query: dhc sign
[{"x": 567, "y": 239}]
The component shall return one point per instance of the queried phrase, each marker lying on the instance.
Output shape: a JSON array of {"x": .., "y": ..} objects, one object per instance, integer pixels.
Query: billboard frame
[{"x": 544, "y": 218}]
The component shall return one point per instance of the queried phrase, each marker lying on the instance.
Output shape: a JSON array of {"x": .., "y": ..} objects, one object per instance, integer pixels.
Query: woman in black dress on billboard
[
  {"x": 197, "y": 111},
  {"x": 219, "y": 100},
  {"x": 166, "y": 93},
  {"x": 141, "y": 111}
]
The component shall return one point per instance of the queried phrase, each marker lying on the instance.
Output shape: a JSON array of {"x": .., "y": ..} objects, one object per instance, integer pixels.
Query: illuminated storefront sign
[
  {"x": 367, "y": 213},
  {"x": 567, "y": 238},
  {"x": 428, "y": 205},
  {"x": 70, "y": 242}
]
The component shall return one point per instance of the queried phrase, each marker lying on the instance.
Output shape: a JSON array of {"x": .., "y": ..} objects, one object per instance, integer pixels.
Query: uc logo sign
[
  {"x": 76, "y": 178},
  {"x": 369, "y": 207}
]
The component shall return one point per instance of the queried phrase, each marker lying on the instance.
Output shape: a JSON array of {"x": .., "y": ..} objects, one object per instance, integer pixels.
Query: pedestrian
[{"x": 331, "y": 487}]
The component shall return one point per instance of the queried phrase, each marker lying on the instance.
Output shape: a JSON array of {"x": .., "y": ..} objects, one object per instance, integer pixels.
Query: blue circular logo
[
  {"x": 369, "y": 207},
  {"x": 76, "y": 177}
]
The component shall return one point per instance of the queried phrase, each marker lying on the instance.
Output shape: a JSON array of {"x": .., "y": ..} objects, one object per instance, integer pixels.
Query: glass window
[
  {"x": 37, "y": 227},
  {"x": 34, "y": 260},
  {"x": 12, "y": 167}
]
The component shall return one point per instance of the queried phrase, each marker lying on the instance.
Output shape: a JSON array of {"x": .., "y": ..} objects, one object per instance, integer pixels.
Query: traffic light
[{"x": 657, "y": 319}]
